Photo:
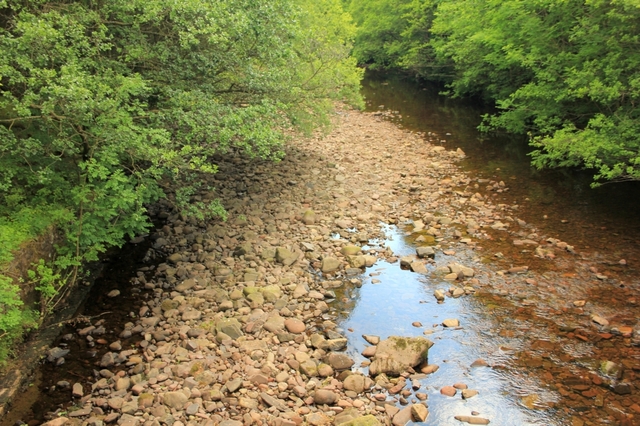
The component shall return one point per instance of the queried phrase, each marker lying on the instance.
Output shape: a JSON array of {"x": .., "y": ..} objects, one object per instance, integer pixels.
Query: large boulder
[{"x": 395, "y": 354}]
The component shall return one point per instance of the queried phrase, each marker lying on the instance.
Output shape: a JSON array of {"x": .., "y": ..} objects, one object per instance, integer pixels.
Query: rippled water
[{"x": 403, "y": 297}]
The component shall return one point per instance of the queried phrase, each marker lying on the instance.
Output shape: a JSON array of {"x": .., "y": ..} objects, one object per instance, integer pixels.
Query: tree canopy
[
  {"x": 566, "y": 73},
  {"x": 103, "y": 101}
]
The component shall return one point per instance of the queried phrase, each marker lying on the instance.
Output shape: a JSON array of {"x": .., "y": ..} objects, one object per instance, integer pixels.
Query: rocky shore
[{"x": 236, "y": 325}]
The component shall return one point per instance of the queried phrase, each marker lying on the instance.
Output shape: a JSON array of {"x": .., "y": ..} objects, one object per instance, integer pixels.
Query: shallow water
[{"x": 403, "y": 297}]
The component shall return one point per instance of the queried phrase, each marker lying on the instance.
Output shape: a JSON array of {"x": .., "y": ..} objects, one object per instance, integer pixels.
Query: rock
[
  {"x": 186, "y": 285},
  {"x": 350, "y": 250},
  {"x": 457, "y": 292},
  {"x": 300, "y": 291},
  {"x": 426, "y": 252},
  {"x": 518, "y": 270},
  {"x": 395, "y": 354},
  {"x": 387, "y": 365},
  {"x": 274, "y": 323},
  {"x": 448, "y": 391},
  {"x": 368, "y": 420},
  {"x": 336, "y": 344},
  {"x": 357, "y": 261},
  {"x": 325, "y": 370},
  {"x": 451, "y": 323},
  {"x": 339, "y": 361},
  {"x": 174, "y": 399},
  {"x": 472, "y": 420},
  {"x": 191, "y": 315},
  {"x": 309, "y": 367},
  {"x": 55, "y": 353},
  {"x": 294, "y": 325},
  {"x": 145, "y": 400},
  {"x": 369, "y": 260},
  {"x": 108, "y": 360},
  {"x": 419, "y": 412},
  {"x": 355, "y": 383},
  {"x": 610, "y": 368},
  {"x": 230, "y": 327},
  {"x": 622, "y": 388},
  {"x": 402, "y": 417},
  {"x": 113, "y": 293},
  {"x": 439, "y": 295},
  {"x": 248, "y": 403},
  {"x": 193, "y": 408},
  {"x": 111, "y": 417},
  {"x": 286, "y": 256},
  {"x": 330, "y": 264},
  {"x": 418, "y": 267},
  {"x": 309, "y": 217},
  {"x": 234, "y": 384},
  {"x": 369, "y": 352},
  {"x": 599, "y": 320},
  {"x": 457, "y": 269},
  {"x": 323, "y": 396},
  {"x": 374, "y": 340},
  {"x": 60, "y": 421},
  {"x": 77, "y": 390},
  {"x": 272, "y": 402},
  {"x": 479, "y": 363},
  {"x": 85, "y": 411},
  {"x": 317, "y": 419},
  {"x": 123, "y": 383},
  {"x": 469, "y": 393}
]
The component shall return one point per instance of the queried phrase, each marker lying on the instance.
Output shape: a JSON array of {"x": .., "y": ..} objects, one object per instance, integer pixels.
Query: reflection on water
[
  {"x": 605, "y": 219},
  {"x": 506, "y": 397}
]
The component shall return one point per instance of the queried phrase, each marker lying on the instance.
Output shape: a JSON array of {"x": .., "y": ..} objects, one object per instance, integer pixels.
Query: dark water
[
  {"x": 604, "y": 219},
  {"x": 124, "y": 270}
]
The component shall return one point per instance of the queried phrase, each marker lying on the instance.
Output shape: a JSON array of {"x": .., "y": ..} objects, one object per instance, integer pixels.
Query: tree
[
  {"x": 566, "y": 73},
  {"x": 103, "y": 103}
]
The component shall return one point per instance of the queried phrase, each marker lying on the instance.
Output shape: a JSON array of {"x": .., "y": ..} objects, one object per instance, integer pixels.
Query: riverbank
[{"x": 238, "y": 324}]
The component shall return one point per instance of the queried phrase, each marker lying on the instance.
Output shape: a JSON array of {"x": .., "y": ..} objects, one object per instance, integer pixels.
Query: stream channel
[{"x": 603, "y": 221}]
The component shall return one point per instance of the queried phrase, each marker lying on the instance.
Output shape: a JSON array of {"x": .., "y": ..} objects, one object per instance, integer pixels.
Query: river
[
  {"x": 549, "y": 363},
  {"x": 560, "y": 202}
]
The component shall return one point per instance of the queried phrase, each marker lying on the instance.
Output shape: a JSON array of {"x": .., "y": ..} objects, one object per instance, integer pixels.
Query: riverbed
[{"x": 226, "y": 318}]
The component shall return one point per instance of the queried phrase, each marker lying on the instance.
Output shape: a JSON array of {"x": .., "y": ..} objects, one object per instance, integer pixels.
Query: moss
[
  {"x": 401, "y": 342},
  {"x": 196, "y": 368}
]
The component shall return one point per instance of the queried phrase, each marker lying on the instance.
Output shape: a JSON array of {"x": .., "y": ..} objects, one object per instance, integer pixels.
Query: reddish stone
[
  {"x": 606, "y": 336},
  {"x": 626, "y": 331},
  {"x": 591, "y": 393},
  {"x": 581, "y": 337},
  {"x": 448, "y": 391}
]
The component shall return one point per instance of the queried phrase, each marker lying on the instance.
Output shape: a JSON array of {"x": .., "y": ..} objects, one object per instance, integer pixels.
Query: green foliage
[
  {"x": 379, "y": 41},
  {"x": 14, "y": 319},
  {"x": 394, "y": 34},
  {"x": 102, "y": 101},
  {"x": 565, "y": 72}
]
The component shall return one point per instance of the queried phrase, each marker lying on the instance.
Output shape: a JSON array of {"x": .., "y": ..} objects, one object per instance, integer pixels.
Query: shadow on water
[
  {"x": 603, "y": 219},
  {"x": 400, "y": 298}
]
